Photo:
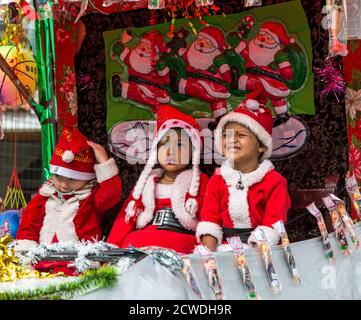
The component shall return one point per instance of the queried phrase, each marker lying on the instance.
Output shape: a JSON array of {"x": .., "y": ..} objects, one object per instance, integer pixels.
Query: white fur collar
[
  {"x": 238, "y": 202},
  {"x": 48, "y": 189},
  {"x": 180, "y": 189}
]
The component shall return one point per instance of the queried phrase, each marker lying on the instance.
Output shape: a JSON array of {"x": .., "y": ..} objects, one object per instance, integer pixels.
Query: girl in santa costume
[
  {"x": 71, "y": 204},
  {"x": 162, "y": 210},
  {"x": 246, "y": 192}
]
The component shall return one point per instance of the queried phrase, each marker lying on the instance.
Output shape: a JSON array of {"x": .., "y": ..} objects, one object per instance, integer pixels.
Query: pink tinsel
[{"x": 332, "y": 80}]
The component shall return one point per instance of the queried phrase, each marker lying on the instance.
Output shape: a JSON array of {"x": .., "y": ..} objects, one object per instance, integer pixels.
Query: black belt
[
  {"x": 242, "y": 233},
  {"x": 165, "y": 219}
]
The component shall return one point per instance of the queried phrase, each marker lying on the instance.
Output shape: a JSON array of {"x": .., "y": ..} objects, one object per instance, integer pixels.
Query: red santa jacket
[
  {"x": 263, "y": 201},
  {"x": 139, "y": 231},
  {"x": 77, "y": 218}
]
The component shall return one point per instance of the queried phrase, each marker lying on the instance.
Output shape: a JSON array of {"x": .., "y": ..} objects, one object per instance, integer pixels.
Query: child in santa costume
[
  {"x": 246, "y": 192},
  {"x": 162, "y": 210},
  {"x": 70, "y": 205}
]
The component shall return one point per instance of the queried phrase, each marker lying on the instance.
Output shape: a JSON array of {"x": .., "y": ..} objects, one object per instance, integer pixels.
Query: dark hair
[{"x": 178, "y": 130}]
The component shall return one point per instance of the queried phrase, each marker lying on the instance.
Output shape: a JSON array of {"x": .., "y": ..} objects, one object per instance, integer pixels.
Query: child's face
[
  {"x": 64, "y": 184},
  {"x": 240, "y": 144},
  {"x": 174, "y": 151}
]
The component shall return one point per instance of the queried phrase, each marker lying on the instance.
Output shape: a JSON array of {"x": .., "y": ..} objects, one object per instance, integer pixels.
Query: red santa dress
[{"x": 141, "y": 221}]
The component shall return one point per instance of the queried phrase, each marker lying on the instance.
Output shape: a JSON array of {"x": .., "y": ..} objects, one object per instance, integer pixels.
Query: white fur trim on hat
[
  {"x": 24, "y": 244},
  {"x": 271, "y": 236},
  {"x": 69, "y": 173},
  {"x": 68, "y": 156},
  {"x": 106, "y": 170},
  {"x": 248, "y": 122},
  {"x": 210, "y": 228}
]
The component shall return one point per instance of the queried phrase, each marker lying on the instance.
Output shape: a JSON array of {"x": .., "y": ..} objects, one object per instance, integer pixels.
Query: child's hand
[{"x": 99, "y": 152}]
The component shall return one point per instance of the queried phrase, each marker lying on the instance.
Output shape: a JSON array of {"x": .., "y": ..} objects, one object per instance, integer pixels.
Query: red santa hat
[
  {"x": 171, "y": 118},
  {"x": 278, "y": 32},
  {"x": 73, "y": 157},
  {"x": 257, "y": 118},
  {"x": 216, "y": 36},
  {"x": 155, "y": 38}
]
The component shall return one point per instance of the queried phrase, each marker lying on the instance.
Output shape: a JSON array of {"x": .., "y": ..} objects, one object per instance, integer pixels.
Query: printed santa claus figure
[
  {"x": 202, "y": 82},
  {"x": 146, "y": 84},
  {"x": 267, "y": 66}
]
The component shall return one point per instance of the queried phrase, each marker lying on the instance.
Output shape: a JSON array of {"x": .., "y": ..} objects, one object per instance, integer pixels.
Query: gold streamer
[{"x": 10, "y": 268}]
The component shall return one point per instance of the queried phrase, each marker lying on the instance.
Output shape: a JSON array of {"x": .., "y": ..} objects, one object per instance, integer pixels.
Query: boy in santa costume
[
  {"x": 246, "y": 192},
  {"x": 162, "y": 210},
  {"x": 70, "y": 205}
]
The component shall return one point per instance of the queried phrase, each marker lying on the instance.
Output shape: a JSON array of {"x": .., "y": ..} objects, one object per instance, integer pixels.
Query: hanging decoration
[
  {"x": 191, "y": 9},
  {"x": 252, "y": 3},
  {"x": 332, "y": 80},
  {"x": 337, "y": 25},
  {"x": 14, "y": 48},
  {"x": 84, "y": 6}
]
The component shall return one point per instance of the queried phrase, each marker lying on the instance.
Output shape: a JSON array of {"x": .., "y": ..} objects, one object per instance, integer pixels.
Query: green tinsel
[{"x": 89, "y": 281}]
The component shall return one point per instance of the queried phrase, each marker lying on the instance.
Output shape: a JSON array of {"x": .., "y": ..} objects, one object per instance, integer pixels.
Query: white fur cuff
[
  {"x": 213, "y": 229},
  {"x": 106, "y": 170},
  {"x": 271, "y": 236},
  {"x": 25, "y": 245}
]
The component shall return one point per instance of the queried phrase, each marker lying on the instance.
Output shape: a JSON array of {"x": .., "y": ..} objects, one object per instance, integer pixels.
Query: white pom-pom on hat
[
  {"x": 68, "y": 156},
  {"x": 252, "y": 104}
]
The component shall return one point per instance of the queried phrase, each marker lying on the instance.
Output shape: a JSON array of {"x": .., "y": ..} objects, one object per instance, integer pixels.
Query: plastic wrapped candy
[
  {"x": 252, "y": 3},
  {"x": 285, "y": 242},
  {"x": 338, "y": 226},
  {"x": 237, "y": 247},
  {"x": 265, "y": 249},
  {"x": 341, "y": 209},
  {"x": 337, "y": 25},
  {"x": 354, "y": 193},
  {"x": 210, "y": 266},
  {"x": 324, "y": 234},
  {"x": 191, "y": 279}
]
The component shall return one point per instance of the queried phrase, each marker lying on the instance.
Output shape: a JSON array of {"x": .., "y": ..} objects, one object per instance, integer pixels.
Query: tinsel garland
[
  {"x": 90, "y": 281},
  {"x": 332, "y": 80}
]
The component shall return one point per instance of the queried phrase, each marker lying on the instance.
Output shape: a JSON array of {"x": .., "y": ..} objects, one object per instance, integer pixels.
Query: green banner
[{"x": 265, "y": 52}]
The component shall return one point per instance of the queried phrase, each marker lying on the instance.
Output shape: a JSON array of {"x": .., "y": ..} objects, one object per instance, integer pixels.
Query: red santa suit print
[
  {"x": 201, "y": 83},
  {"x": 259, "y": 54},
  {"x": 145, "y": 83}
]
